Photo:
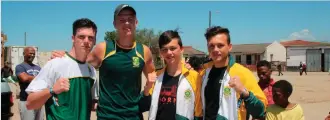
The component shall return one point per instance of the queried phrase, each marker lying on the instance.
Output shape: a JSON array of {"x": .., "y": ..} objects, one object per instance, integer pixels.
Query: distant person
[
  {"x": 283, "y": 109},
  {"x": 266, "y": 83},
  {"x": 196, "y": 63},
  {"x": 25, "y": 73},
  {"x": 302, "y": 68},
  {"x": 279, "y": 68},
  {"x": 6, "y": 71}
]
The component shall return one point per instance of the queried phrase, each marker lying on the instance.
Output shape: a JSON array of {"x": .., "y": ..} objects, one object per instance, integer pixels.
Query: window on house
[
  {"x": 257, "y": 59},
  {"x": 248, "y": 59},
  {"x": 271, "y": 57},
  {"x": 238, "y": 58}
]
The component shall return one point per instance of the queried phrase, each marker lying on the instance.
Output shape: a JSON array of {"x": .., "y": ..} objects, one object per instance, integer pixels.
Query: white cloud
[{"x": 304, "y": 34}]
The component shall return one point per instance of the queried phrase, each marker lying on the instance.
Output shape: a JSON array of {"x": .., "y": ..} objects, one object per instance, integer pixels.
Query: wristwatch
[
  {"x": 53, "y": 96},
  {"x": 51, "y": 91}
]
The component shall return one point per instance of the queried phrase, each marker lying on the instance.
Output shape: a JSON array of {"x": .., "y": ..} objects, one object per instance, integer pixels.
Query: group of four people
[{"x": 68, "y": 87}]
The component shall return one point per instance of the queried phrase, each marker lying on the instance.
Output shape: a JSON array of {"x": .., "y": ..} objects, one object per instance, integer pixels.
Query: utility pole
[
  {"x": 24, "y": 38},
  {"x": 209, "y": 19}
]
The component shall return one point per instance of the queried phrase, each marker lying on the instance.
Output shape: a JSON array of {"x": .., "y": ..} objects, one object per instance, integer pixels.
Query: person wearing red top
[{"x": 265, "y": 81}]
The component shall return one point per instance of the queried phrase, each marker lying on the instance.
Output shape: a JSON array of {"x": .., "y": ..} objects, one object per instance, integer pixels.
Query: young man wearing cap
[{"x": 121, "y": 63}]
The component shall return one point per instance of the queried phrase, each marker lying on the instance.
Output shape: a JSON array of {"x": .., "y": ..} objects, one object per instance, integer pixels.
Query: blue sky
[{"x": 49, "y": 24}]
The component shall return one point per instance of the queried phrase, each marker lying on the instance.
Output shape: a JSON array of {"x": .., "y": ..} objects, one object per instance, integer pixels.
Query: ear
[
  {"x": 207, "y": 47},
  {"x": 114, "y": 24},
  {"x": 72, "y": 38},
  {"x": 160, "y": 54},
  {"x": 182, "y": 50},
  {"x": 136, "y": 22},
  {"x": 230, "y": 47}
]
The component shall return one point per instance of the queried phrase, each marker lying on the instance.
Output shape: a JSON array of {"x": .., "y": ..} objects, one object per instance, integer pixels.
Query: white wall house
[
  {"x": 265, "y": 51},
  {"x": 275, "y": 52},
  {"x": 249, "y": 54},
  {"x": 311, "y": 55},
  {"x": 314, "y": 54}
]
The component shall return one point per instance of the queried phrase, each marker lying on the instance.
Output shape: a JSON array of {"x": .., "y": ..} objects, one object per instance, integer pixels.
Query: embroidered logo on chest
[
  {"x": 227, "y": 91},
  {"x": 136, "y": 61}
]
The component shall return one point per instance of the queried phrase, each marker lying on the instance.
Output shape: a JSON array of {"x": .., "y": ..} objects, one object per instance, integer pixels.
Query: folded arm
[{"x": 22, "y": 75}]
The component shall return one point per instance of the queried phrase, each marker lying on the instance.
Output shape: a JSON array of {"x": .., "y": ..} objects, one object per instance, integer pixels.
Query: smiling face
[
  {"x": 29, "y": 54},
  {"x": 172, "y": 52},
  {"x": 125, "y": 23},
  {"x": 218, "y": 47}
]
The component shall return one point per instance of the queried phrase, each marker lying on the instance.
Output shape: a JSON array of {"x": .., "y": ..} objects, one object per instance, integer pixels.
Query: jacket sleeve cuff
[
  {"x": 255, "y": 107},
  {"x": 144, "y": 103}
]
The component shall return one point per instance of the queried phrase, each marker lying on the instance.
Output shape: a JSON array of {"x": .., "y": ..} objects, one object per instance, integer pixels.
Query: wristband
[
  {"x": 53, "y": 96},
  {"x": 51, "y": 91}
]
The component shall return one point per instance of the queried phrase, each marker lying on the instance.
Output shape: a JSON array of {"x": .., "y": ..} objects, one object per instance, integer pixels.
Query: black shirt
[
  {"x": 167, "y": 98},
  {"x": 212, "y": 91},
  {"x": 279, "y": 67},
  {"x": 6, "y": 72}
]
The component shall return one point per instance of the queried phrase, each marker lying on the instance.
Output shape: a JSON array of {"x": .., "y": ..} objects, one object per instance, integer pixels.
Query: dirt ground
[{"x": 311, "y": 91}]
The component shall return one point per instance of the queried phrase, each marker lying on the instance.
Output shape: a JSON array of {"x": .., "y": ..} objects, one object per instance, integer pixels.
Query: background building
[{"x": 289, "y": 54}]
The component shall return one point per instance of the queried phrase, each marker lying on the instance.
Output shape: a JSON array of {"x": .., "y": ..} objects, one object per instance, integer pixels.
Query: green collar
[
  {"x": 74, "y": 58},
  {"x": 231, "y": 61}
]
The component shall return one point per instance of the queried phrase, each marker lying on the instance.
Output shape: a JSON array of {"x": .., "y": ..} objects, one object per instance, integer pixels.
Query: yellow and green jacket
[
  {"x": 232, "y": 107},
  {"x": 188, "y": 105}
]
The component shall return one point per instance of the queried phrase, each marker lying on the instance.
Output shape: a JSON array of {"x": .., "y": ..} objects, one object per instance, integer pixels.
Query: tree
[
  {"x": 145, "y": 36},
  {"x": 110, "y": 35}
]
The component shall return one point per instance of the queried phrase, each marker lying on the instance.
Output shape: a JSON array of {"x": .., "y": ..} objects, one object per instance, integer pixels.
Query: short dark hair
[
  {"x": 167, "y": 36},
  {"x": 212, "y": 31},
  {"x": 83, "y": 23},
  {"x": 195, "y": 62},
  {"x": 285, "y": 87},
  {"x": 264, "y": 63}
]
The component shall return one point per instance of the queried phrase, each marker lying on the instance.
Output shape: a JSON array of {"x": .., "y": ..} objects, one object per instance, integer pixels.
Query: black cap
[{"x": 121, "y": 7}]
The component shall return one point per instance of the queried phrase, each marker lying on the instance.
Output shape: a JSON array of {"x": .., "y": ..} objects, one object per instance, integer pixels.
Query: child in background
[{"x": 283, "y": 109}]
